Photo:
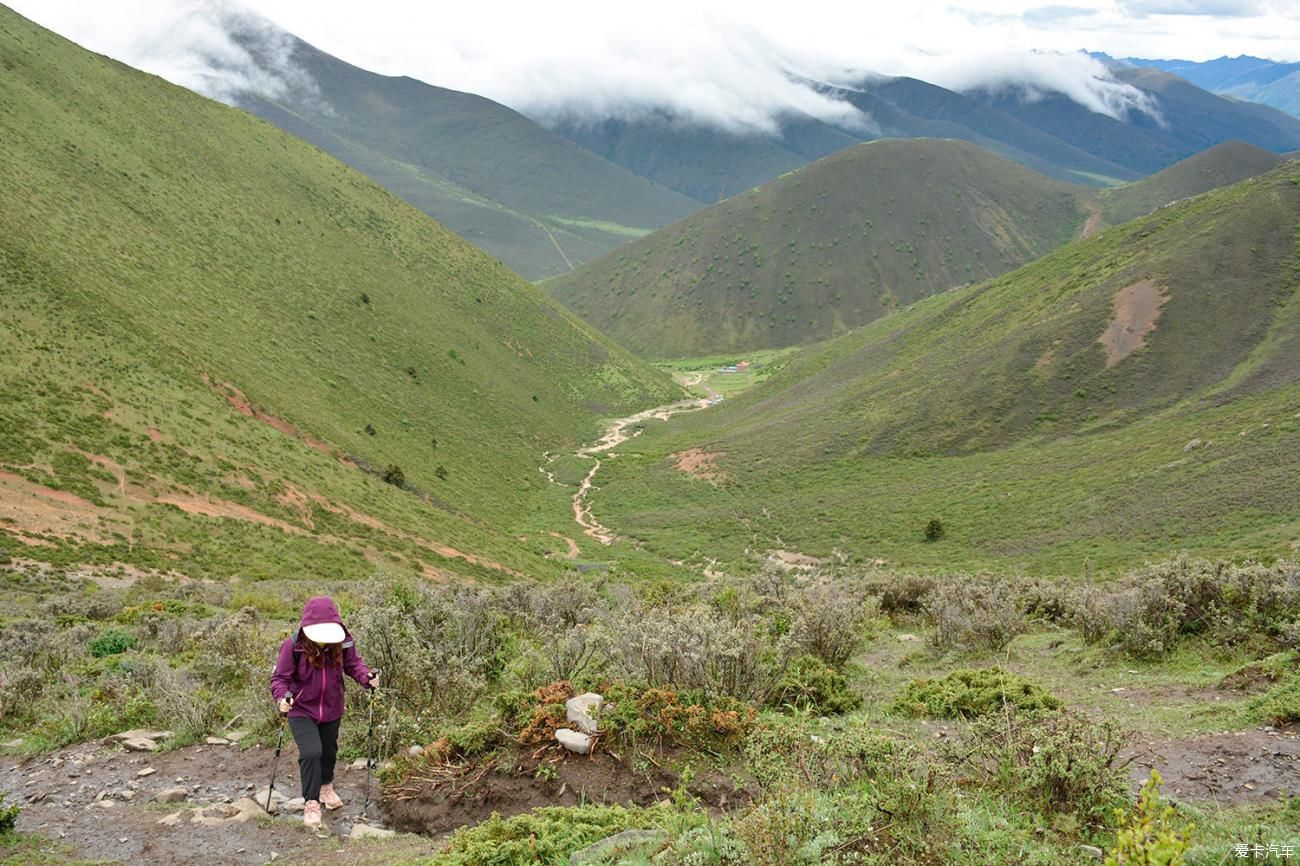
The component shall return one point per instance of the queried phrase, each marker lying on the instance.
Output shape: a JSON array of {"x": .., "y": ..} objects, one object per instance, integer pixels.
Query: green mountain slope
[
  {"x": 527, "y": 195},
  {"x": 822, "y": 250},
  {"x": 1219, "y": 166},
  {"x": 1010, "y": 411},
  {"x": 210, "y": 331}
]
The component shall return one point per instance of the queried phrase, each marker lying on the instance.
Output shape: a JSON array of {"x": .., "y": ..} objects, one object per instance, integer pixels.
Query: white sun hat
[{"x": 324, "y": 632}]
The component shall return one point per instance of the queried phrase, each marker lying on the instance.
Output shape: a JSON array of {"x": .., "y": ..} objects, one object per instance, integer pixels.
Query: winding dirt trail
[{"x": 619, "y": 431}]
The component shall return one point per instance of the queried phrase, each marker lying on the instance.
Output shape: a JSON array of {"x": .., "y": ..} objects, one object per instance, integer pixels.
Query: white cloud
[{"x": 725, "y": 62}]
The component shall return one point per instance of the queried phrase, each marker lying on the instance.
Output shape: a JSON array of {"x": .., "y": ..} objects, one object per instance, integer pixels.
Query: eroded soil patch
[
  {"x": 1136, "y": 309},
  {"x": 555, "y": 779},
  {"x": 1250, "y": 766},
  {"x": 698, "y": 463}
]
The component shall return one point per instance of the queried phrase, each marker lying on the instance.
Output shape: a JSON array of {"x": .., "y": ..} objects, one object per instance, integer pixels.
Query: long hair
[{"x": 318, "y": 655}]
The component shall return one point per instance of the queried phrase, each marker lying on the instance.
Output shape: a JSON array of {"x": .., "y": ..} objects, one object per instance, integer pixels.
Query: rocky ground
[{"x": 190, "y": 805}]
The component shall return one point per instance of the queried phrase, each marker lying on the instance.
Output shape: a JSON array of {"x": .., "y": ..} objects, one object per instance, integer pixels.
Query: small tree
[
  {"x": 441, "y": 472},
  {"x": 934, "y": 529},
  {"x": 394, "y": 475}
]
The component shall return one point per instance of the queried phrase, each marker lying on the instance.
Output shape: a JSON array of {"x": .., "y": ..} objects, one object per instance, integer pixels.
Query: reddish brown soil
[
  {"x": 1137, "y": 307},
  {"x": 1241, "y": 767},
  {"x": 699, "y": 463},
  {"x": 243, "y": 405},
  {"x": 564, "y": 780}
]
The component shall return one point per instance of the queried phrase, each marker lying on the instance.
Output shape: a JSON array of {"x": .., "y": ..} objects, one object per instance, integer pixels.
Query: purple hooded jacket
[{"x": 317, "y": 692}]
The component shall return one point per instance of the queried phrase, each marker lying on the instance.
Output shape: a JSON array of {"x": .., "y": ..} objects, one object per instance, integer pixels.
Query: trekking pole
[
  {"x": 370, "y": 744},
  {"x": 279, "y": 741}
]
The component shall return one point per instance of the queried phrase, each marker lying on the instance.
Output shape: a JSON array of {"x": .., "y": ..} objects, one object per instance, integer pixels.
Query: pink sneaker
[
  {"x": 329, "y": 798},
  {"x": 311, "y": 815}
]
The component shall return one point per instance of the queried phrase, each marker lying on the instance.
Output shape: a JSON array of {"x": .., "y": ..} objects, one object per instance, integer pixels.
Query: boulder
[
  {"x": 365, "y": 831},
  {"x": 574, "y": 741},
  {"x": 294, "y": 806},
  {"x": 601, "y": 851},
  {"x": 583, "y": 711},
  {"x": 171, "y": 795},
  {"x": 138, "y": 739}
]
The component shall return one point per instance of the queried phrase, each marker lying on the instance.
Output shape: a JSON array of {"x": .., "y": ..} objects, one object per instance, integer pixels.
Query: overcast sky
[{"x": 721, "y": 61}]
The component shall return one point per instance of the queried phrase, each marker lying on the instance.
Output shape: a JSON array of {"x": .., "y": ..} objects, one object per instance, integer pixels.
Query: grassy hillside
[
  {"x": 822, "y": 250},
  {"x": 211, "y": 331},
  {"x": 1010, "y": 412},
  {"x": 1219, "y": 166},
  {"x": 528, "y": 196}
]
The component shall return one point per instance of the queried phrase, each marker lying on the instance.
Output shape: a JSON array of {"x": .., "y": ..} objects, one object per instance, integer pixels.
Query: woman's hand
[
  {"x": 286, "y": 704},
  {"x": 372, "y": 681}
]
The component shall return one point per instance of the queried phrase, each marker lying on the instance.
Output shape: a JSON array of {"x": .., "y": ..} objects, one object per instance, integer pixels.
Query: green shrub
[
  {"x": 543, "y": 837},
  {"x": 782, "y": 751},
  {"x": 8, "y": 814},
  {"x": 970, "y": 693},
  {"x": 1151, "y": 835},
  {"x": 1053, "y": 762},
  {"x": 111, "y": 642},
  {"x": 811, "y": 685},
  {"x": 934, "y": 530},
  {"x": 1280, "y": 705}
]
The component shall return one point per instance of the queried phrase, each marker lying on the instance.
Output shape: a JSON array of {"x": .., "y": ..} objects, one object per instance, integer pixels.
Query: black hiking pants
[{"x": 318, "y": 749}]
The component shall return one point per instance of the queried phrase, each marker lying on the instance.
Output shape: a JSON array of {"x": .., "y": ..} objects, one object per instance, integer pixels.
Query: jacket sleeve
[
  {"x": 282, "y": 676},
  {"x": 353, "y": 664}
]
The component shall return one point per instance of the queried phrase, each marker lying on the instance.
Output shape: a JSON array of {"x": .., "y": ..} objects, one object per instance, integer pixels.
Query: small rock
[
  {"x": 415, "y": 751},
  {"x": 122, "y": 840},
  {"x": 217, "y": 741},
  {"x": 248, "y": 810},
  {"x": 127, "y": 794},
  {"x": 1092, "y": 851},
  {"x": 172, "y": 819},
  {"x": 171, "y": 795},
  {"x": 583, "y": 710},
  {"x": 139, "y": 744},
  {"x": 293, "y": 806},
  {"x": 1192, "y": 445},
  {"x": 277, "y": 799},
  {"x": 619, "y": 842},
  {"x": 908, "y": 638},
  {"x": 236, "y": 736},
  {"x": 105, "y": 804},
  {"x": 574, "y": 741},
  {"x": 365, "y": 831},
  {"x": 275, "y": 855},
  {"x": 358, "y": 764}
]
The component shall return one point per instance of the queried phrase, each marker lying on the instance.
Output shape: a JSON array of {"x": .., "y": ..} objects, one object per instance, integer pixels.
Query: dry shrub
[
  {"x": 906, "y": 596},
  {"x": 831, "y": 620},
  {"x": 974, "y": 614},
  {"x": 696, "y": 647}
]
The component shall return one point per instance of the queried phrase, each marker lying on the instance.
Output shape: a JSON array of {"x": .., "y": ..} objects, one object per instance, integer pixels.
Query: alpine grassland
[
  {"x": 218, "y": 343},
  {"x": 1128, "y": 395}
]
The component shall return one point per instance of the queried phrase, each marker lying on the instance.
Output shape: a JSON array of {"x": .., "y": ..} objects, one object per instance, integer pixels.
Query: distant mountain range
[
  {"x": 503, "y": 182},
  {"x": 1267, "y": 82},
  {"x": 1047, "y": 132}
]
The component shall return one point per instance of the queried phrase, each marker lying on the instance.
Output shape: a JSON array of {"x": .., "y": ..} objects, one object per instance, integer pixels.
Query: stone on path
[
  {"x": 171, "y": 795},
  {"x": 574, "y": 741},
  {"x": 217, "y": 741},
  {"x": 247, "y": 810},
  {"x": 277, "y": 799},
  {"x": 293, "y": 806},
  {"x": 147, "y": 771},
  {"x": 172, "y": 819},
  {"x": 365, "y": 831}
]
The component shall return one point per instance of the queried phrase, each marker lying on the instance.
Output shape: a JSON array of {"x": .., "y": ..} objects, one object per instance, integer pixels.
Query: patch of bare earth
[
  {"x": 1136, "y": 309},
  {"x": 789, "y": 560},
  {"x": 28, "y": 508},
  {"x": 1248, "y": 766},
  {"x": 698, "y": 463},
  {"x": 452, "y": 796},
  {"x": 244, "y": 406},
  {"x": 1092, "y": 224}
]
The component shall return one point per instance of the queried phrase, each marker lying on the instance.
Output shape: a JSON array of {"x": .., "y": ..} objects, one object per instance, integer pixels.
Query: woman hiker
[{"x": 308, "y": 687}]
